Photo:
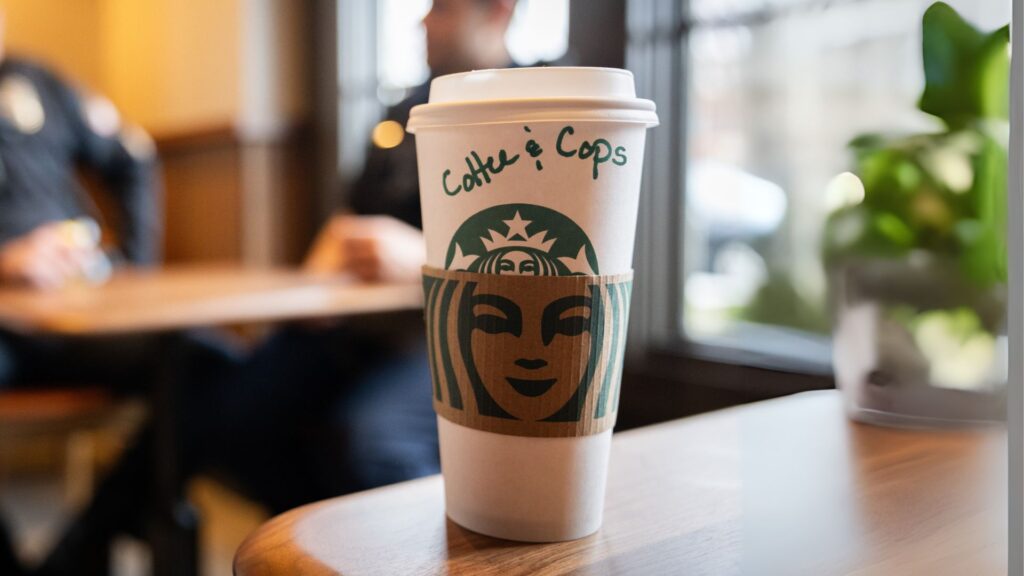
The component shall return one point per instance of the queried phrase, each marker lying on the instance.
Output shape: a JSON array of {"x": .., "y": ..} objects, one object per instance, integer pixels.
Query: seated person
[
  {"x": 48, "y": 129},
  {"x": 48, "y": 230},
  {"x": 49, "y": 238},
  {"x": 348, "y": 408}
]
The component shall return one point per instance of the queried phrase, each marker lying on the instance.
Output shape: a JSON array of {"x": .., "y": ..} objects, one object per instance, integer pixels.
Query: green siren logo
[
  {"x": 527, "y": 356},
  {"x": 521, "y": 239}
]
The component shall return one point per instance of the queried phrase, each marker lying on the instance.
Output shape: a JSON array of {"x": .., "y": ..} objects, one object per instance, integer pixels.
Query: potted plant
[{"x": 916, "y": 248}]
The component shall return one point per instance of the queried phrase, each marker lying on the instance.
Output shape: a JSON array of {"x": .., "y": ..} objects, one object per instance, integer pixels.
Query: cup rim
[{"x": 526, "y": 110}]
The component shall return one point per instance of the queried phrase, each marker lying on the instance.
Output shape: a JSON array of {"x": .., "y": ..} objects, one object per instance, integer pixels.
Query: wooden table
[
  {"x": 167, "y": 301},
  {"x": 188, "y": 297},
  {"x": 786, "y": 486}
]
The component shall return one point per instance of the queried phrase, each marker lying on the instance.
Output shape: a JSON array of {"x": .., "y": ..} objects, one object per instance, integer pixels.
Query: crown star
[
  {"x": 579, "y": 264},
  {"x": 461, "y": 261},
  {"x": 517, "y": 227},
  {"x": 517, "y": 236}
]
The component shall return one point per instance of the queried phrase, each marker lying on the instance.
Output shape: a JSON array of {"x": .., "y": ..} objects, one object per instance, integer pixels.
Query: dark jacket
[
  {"x": 38, "y": 162},
  {"x": 389, "y": 183}
]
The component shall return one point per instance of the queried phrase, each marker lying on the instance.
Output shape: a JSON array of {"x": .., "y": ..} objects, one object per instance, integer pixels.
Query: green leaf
[
  {"x": 966, "y": 71},
  {"x": 985, "y": 258},
  {"x": 894, "y": 230},
  {"x": 866, "y": 142},
  {"x": 992, "y": 76}
]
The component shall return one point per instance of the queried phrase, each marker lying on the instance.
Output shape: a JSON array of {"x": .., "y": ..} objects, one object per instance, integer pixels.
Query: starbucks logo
[
  {"x": 527, "y": 356},
  {"x": 521, "y": 239}
]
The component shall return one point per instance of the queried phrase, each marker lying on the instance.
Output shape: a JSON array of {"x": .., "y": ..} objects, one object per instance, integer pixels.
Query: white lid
[
  {"x": 533, "y": 94},
  {"x": 547, "y": 82}
]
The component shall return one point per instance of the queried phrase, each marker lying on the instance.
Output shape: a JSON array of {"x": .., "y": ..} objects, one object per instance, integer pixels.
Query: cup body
[
  {"x": 533, "y": 172},
  {"x": 523, "y": 488}
]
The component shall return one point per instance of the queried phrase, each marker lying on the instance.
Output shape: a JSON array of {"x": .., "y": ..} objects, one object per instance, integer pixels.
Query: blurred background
[{"x": 783, "y": 122}]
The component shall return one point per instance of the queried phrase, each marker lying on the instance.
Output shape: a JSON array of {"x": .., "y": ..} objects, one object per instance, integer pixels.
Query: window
[
  {"x": 765, "y": 97},
  {"x": 539, "y": 33},
  {"x": 401, "y": 50}
]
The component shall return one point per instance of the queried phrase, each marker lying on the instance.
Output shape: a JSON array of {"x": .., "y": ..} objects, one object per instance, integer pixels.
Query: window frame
[{"x": 656, "y": 41}]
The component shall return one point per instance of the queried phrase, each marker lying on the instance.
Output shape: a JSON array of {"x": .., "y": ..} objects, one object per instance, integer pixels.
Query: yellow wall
[
  {"x": 64, "y": 34},
  {"x": 172, "y": 66}
]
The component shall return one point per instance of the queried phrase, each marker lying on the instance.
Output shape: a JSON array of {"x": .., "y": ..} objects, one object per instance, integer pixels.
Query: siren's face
[
  {"x": 526, "y": 347},
  {"x": 518, "y": 262}
]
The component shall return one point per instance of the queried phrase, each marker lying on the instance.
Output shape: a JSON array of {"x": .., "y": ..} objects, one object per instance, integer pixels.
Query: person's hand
[
  {"x": 374, "y": 248},
  {"x": 48, "y": 257}
]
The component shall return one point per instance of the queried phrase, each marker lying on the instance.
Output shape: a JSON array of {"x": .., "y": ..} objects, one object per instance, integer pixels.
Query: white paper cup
[{"x": 529, "y": 171}]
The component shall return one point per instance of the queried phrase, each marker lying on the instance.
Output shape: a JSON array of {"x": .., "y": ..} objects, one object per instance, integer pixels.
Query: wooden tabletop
[
  {"x": 184, "y": 297},
  {"x": 786, "y": 486}
]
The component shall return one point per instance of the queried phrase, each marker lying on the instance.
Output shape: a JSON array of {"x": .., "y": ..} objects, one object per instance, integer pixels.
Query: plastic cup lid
[{"x": 533, "y": 94}]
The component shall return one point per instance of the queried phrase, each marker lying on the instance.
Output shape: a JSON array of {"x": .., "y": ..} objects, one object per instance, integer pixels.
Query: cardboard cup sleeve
[{"x": 537, "y": 356}]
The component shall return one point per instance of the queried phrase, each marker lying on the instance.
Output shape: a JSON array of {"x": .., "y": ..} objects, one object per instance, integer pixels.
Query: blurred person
[
  {"x": 49, "y": 239},
  {"x": 347, "y": 408},
  {"x": 49, "y": 236},
  {"x": 461, "y": 35},
  {"x": 48, "y": 233},
  {"x": 47, "y": 131}
]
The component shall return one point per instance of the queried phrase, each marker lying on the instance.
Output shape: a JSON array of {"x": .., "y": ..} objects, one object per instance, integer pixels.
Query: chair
[{"x": 74, "y": 413}]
